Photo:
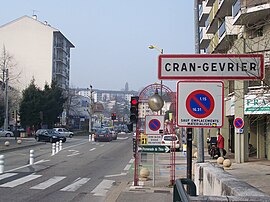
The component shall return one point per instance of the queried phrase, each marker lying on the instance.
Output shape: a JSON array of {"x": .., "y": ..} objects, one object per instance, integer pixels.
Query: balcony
[
  {"x": 212, "y": 21},
  {"x": 210, "y": 2},
  {"x": 204, "y": 38},
  {"x": 203, "y": 13},
  {"x": 224, "y": 8},
  {"x": 227, "y": 33},
  {"x": 250, "y": 11}
]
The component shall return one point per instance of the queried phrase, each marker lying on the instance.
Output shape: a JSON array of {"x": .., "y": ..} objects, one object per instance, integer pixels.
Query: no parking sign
[
  {"x": 200, "y": 104},
  {"x": 154, "y": 124}
]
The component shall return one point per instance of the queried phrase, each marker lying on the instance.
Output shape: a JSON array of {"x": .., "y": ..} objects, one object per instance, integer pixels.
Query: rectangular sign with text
[{"x": 211, "y": 66}]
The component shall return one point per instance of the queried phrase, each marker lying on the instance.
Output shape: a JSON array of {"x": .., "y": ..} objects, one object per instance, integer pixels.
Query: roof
[{"x": 45, "y": 24}]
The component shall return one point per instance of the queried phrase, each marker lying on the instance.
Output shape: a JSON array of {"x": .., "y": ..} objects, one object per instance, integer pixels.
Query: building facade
[
  {"x": 39, "y": 51},
  {"x": 241, "y": 27}
]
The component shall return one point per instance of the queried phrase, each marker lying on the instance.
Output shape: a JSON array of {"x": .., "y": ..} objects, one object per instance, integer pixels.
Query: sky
[{"x": 111, "y": 37}]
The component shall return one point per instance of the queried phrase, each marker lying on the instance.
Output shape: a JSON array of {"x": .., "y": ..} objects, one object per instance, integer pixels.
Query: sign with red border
[
  {"x": 154, "y": 124},
  {"x": 238, "y": 122},
  {"x": 200, "y": 104},
  {"x": 211, "y": 66}
]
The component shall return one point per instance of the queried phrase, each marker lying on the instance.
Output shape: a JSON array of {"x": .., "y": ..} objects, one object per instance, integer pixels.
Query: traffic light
[
  {"x": 134, "y": 103},
  {"x": 113, "y": 116}
]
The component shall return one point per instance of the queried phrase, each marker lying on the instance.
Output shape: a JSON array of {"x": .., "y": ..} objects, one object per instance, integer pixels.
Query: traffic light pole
[{"x": 136, "y": 156}]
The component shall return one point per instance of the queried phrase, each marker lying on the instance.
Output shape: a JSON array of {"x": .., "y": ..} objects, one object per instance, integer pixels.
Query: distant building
[{"x": 39, "y": 51}]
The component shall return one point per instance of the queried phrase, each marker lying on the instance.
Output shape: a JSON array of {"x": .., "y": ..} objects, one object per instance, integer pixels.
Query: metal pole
[
  {"x": 189, "y": 152},
  {"x": 154, "y": 173},
  {"x": 200, "y": 134},
  {"x": 90, "y": 111}
]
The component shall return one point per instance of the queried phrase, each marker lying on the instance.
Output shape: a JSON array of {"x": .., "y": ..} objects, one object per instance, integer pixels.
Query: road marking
[
  {"x": 74, "y": 145},
  {"x": 131, "y": 161},
  {"x": 74, "y": 154},
  {"x": 103, "y": 188},
  {"x": 102, "y": 145},
  {"x": 122, "y": 138},
  {"x": 76, "y": 184},
  {"x": 6, "y": 175},
  {"x": 20, "y": 181},
  {"x": 127, "y": 167},
  {"x": 49, "y": 182},
  {"x": 116, "y": 175},
  {"x": 92, "y": 149},
  {"x": 41, "y": 161}
]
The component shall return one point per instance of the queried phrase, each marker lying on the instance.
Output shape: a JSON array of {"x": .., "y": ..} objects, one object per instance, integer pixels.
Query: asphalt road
[{"x": 82, "y": 171}]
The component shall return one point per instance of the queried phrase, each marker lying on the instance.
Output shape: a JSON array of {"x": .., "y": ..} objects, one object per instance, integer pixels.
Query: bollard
[
  {"x": 31, "y": 160},
  {"x": 57, "y": 147},
  {"x": 1, "y": 164},
  {"x": 93, "y": 137},
  {"x": 90, "y": 138},
  {"x": 53, "y": 149},
  {"x": 60, "y": 145}
]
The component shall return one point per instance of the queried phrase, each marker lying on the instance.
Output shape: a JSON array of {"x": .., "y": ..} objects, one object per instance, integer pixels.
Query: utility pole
[
  {"x": 90, "y": 109},
  {"x": 200, "y": 143}
]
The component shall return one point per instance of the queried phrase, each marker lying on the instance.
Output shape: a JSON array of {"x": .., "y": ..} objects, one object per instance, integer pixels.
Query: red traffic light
[{"x": 134, "y": 102}]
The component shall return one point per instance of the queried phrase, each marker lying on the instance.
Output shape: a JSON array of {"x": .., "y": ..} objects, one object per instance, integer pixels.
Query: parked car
[
  {"x": 112, "y": 131},
  {"x": 49, "y": 135},
  {"x": 64, "y": 132},
  {"x": 103, "y": 135},
  {"x": 5, "y": 133},
  {"x": 171, "y": 140}
]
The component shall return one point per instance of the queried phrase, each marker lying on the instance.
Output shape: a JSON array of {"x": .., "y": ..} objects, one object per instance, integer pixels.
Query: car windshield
[
  {"x": 102, "y": 131},
  {"x": 170, "y": 138}
]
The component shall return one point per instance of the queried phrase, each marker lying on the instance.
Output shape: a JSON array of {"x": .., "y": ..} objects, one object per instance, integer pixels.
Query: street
[{"x": 81, "y": 171}]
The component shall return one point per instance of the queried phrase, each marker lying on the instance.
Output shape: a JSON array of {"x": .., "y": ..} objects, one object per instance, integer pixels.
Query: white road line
[
  {"x": 122, "y": 138},
  {"x": 20, "y": 181},
  {"x": 127, "y": 167},
  {"x": 74, "y": 154},
  {"x": 121, "y": 174},
  {"x": 131, "y": 161},
  {"x": 76, "y": 185},
  {"x": 41, "y": 161},
  {"x": 92, "y": 149},
  {"x": 103, "y": 188},
  {"x": 75, "y": 145},
  {"x": 49, "y": 182},
  {"x": 102, "y": 145},
  {"x": 6, "y": 175}
]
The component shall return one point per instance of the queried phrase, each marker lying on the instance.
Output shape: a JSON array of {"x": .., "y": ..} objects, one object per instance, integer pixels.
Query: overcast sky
[{"x": 111, "y": 37}]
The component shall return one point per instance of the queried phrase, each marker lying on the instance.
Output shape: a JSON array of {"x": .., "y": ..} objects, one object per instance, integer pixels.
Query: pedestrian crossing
[{"x": 13, "y": 180}]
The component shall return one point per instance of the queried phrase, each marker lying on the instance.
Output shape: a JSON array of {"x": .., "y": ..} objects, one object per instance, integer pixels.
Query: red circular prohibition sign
[
  {"x": 200, "y": 104},
  {"x": 154, "y": 124}
]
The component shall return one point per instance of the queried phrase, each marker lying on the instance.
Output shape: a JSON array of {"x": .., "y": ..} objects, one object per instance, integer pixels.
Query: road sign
[
  {"x": 211, "y": 66},
  {"x": 200, "y": 104},
  {"x": 153, "y": 124},
  {"x": 154, "y": 149},
  {"x": 154, "y": 139},
  {"x": 238, "y": 122},
  {"x": 143, "y": 139}
]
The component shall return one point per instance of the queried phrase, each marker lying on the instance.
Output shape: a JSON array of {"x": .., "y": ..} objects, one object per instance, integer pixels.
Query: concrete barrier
[{"x": 212, "y": 180}]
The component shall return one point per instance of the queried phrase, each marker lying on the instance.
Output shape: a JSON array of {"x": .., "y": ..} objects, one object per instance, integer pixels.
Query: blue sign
[
  {"x": 200, "y": 104},
  {"x": 154, "y": 124},
  {"x": 238, "y": 122}
]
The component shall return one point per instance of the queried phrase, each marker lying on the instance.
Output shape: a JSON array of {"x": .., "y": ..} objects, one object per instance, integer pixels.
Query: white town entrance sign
[{"x": 211, "y": 66}]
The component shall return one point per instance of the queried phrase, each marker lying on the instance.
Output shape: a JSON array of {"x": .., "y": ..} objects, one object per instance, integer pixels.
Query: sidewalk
[
  {"x": 255, "y": 172},
  {"x": 14, "y": 145}
]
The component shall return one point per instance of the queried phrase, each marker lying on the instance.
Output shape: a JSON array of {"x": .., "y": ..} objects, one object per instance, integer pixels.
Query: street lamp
[
  {"x": 90, "y": 109},
  {"x": 160, "y": 50}
]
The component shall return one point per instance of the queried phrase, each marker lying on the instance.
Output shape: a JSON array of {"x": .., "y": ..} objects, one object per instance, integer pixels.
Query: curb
[{"x": 7, "y": 149}]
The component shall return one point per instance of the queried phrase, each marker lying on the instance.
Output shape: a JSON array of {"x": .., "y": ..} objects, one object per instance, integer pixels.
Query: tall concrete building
[
  {"x": 241, "y": 27},
  {"x": 38, "y": 50}
]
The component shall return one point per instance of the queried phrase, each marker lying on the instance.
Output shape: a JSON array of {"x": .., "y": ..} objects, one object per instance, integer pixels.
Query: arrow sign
[{"x": 154, "y": 149}]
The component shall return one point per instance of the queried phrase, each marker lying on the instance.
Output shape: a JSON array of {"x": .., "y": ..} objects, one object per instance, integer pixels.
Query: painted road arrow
[{"x": 154, "y": 149}]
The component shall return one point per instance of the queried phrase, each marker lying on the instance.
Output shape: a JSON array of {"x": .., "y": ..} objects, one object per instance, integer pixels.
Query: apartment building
[
  {"x": 39, "y": 51},
  {"x": 241, "y": 27}
]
